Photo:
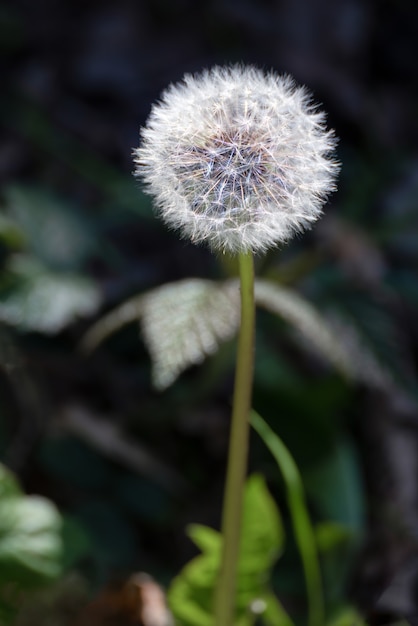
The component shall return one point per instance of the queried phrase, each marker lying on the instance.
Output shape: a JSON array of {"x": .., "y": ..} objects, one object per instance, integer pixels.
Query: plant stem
[
  {"x": 225, "y": 593},
  {"x": 302, "y": 525}
]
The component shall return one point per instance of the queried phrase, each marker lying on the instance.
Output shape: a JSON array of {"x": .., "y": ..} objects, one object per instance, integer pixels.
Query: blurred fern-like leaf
[{"x": 190, "y": 595}]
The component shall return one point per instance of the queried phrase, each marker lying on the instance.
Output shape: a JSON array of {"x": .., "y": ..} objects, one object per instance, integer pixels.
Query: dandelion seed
[{"x": 237, "y": 158}]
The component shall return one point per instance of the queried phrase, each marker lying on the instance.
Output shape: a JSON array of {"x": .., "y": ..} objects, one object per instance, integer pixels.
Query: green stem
[
  {"x": 302, "y": 525},
  {"x": 224, "y": 608}
]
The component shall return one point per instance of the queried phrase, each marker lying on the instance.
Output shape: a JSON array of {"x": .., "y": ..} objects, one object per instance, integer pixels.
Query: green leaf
[
  {"x": 30, "y": 540},
  {"x": 190, "y": 595},
  {"x": 31, "y": 544},
  {"x": 262, "y": 535},
  {"x": 184, "y": 322},
  {"x": 189, "y": 604},
  {"x": 207, "y": 540},
  {"x": 201, "y": 573},
  {"x": 39, "y": 300}
]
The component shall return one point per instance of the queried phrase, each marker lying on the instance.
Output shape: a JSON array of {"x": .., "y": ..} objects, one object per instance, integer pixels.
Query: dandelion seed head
[{"x": 237, "y": 158}]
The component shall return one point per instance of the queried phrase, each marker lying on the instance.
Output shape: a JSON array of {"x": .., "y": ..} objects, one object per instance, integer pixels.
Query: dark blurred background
[{"x": 78, "y": 237}]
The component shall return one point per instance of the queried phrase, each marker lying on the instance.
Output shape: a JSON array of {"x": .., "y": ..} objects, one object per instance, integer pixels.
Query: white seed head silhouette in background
[{"x": 237, "y": 158}]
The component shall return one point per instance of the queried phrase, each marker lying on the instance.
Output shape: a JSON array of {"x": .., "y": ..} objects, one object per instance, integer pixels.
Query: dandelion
[
  {"x": 237, "y": 158},
  {"x": 241, "y": 160}
]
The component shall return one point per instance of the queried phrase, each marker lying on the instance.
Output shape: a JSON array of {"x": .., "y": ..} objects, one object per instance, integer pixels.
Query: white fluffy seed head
[{"x": 237, "y": 158}]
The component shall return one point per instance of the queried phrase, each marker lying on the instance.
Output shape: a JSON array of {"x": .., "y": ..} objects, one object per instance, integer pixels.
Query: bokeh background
[{"x": 132, "y": 466}]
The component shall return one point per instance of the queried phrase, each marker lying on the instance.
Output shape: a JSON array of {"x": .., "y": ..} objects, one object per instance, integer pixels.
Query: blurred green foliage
[
  {"x": 37, "y": 545},
  {"x": 40, "y": 289},
  {"x": 46, "y": 285},
  {"x": 67, "y": 256}
]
